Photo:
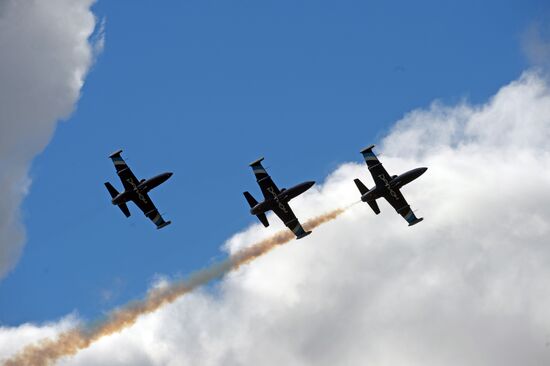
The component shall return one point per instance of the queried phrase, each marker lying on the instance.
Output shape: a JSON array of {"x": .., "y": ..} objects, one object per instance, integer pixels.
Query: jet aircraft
[
  {"x": 136, "y": 191},
  {"x": 276, "y": 200},
  {"x": 388, "y": 187}
]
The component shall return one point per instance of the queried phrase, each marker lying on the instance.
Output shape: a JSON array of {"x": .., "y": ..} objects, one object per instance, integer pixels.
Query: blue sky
[{"x": 201, "y": 89}]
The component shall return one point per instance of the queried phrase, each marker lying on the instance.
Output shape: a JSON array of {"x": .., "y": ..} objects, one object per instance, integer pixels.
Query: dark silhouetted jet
[
  {"x": 276, "y": 200},
  {"x": 136, "y": 191},
  {"x": 388, "y": 187}
]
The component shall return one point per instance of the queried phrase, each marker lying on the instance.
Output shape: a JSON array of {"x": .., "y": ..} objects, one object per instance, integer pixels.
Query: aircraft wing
[
  {"x": 377, "y": 170},
  {"x": 143, "y": 201},
  {"x": 268, "y": 187},
  {"x": 398, "y": 202},
  {"x": 285, "y": 213},
  {"x": 129, "y": 180}
]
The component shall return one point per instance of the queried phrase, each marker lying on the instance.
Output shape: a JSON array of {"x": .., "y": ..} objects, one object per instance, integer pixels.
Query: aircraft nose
[
  {"x": 169, "y": 174},
  {"x": 423, "y": 170}
]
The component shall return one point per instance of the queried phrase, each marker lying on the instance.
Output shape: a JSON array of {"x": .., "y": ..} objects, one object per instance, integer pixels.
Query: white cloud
[
  {"x": 45, "y": 56},
  {"x": 470, "y": 285},
  {"x": 12, "y": 338}
]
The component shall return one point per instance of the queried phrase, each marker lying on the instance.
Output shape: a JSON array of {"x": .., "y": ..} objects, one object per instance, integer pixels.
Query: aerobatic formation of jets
[{"x": 275, "y": 199}]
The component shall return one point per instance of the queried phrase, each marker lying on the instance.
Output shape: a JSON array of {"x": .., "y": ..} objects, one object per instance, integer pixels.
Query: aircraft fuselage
[
  {"x": 140, "y": 188},
  {"x": 390, "y": 187},
  {"x": 407, "y": 177},
  {"x": 281, "y": 199}
]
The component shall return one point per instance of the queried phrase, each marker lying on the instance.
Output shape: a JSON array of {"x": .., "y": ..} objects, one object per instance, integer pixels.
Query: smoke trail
[{"x": 47, "y": 351}]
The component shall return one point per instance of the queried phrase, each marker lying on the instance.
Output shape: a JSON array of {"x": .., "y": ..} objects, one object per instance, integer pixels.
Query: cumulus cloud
[
  {"x": 470, "y": 285},
  {"x": 46, "y": 55}
]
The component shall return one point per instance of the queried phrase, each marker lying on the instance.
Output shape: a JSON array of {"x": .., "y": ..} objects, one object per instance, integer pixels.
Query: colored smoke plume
[{"x": 47, "y": 351}]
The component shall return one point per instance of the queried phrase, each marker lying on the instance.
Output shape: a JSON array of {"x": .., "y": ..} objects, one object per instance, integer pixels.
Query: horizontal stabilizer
[
  {"x": 374, "y": 206},
  {"x": 263, "y": 219},
  {"x": 112, "y": 191},
  {"x": 362, "y": 188},
  {"x": 124, "y": 208},
  {"x": 251, "y": 200}
]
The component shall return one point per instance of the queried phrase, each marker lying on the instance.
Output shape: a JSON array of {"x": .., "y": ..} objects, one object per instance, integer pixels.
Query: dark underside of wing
[
  {"x": 285, "y": 213},
  {"x": 379, "y": 174},
  {"x": 145, "y": 204},
  {"x": 398, "y": 202},
  {"x": 377, "y": 170},
  {"x": 129, "y": 180},
  {"x": 268, "y": 187}
]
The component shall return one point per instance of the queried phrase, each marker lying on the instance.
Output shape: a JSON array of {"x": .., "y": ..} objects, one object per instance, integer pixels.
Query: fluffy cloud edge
[
  {"x": 467, "y": 286},
  {"x": 48, "y": 50}
]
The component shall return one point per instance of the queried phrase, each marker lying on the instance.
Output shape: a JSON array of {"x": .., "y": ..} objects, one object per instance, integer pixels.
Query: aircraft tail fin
[
  {"x": 363, "y": 189},
  {"x": 263, "y": 219},
  {"x": 360, "y": 186},
  {"x": 374, "y": 206},
  {"x": 250, "y": 199},
  {"x": 124, "y": 208},
  {"x": 112, "y": 190},
  {"x": 252, "y": 202}
]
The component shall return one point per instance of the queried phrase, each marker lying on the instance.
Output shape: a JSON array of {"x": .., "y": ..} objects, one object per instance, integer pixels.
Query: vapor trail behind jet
[{"x": 68, "y": 343}]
